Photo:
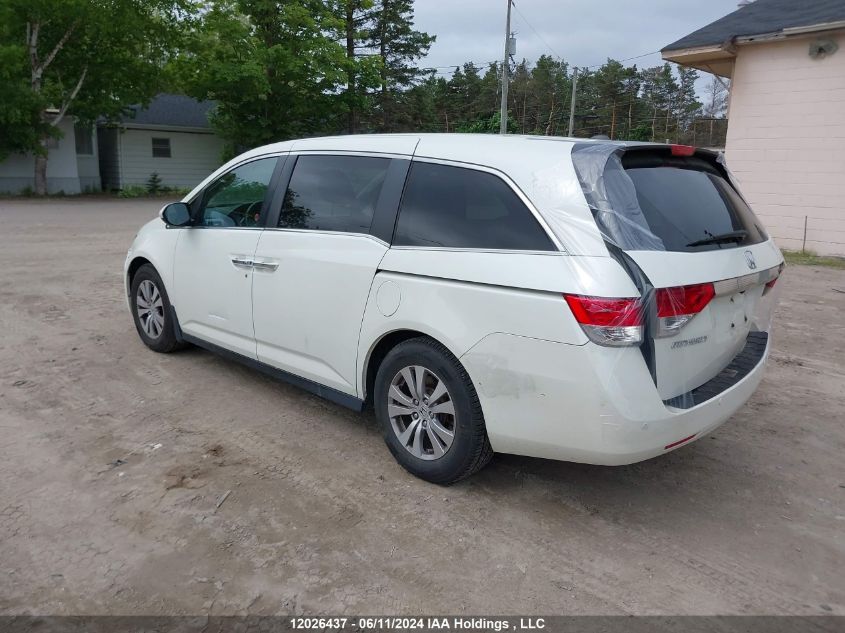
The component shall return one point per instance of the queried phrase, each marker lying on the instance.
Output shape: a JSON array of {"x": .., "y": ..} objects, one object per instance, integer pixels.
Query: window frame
[
  {"x": 153, "y": 140},
  {"x": 508, "y": 181},
  {"x": 387, "y": 207},
  {"x": 89, "y": 129},
  {"x": 195, "y": 201}
]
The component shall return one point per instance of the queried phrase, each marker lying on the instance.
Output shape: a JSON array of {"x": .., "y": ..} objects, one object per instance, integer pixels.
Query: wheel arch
[
  {"x": 132, "y": 269},
  {"x": 381, "y": 348}
]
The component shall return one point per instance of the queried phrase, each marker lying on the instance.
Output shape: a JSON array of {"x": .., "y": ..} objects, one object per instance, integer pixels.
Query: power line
[
  {"x": 627, "y": 59},
  {"x": 524, "y": 19},
  {"x": 481, "y": 65},
  {"x": 461, "y": 65},
  {"x": 560, "y": 57}
]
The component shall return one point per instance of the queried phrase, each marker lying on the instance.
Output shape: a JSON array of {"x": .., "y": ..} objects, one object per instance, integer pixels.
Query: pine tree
[
  {"x": 154, "y": 183},
  {"x": 399, "y": 46},
  {"x": 659, "y": 91},
  {"x": 686, "y": 103},
  {"x": 362, "y": 69}
]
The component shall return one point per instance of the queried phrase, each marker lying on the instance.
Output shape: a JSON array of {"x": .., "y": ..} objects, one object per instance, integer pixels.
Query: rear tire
[
  {"x": 152, "y": 312},
  {"x": 432, "y": 420}
]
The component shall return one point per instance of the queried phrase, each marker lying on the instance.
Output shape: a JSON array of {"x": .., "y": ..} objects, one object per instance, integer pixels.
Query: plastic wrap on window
[
  {"x": 696, "y": 322},
  {"x": 555, "y": 191},
  {"x": 612, "y": 197},
  {"x": 720, "y": 158}
]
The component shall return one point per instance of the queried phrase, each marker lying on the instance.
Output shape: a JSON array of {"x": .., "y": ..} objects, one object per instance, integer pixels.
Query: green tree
[
  {"x": 464, "y": 92},
  {"x": 522, "y": 98},
  {"x": 420, "y": 102},
  {"x": 399, "y": 46},
  {"x": 552, "y": 90},
  {"x": 363, "y": 71},
  {"x": 489, "y": 125},
  {"x": 81, "y": 58},
  {"x": 613, "y": 95},
  {"x": 658, "y": 93},
  {"x": 686, "y": 104},
  {"x": 276, "y": 68}
]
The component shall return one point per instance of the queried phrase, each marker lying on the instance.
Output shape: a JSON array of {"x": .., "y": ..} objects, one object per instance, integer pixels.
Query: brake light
[
  {"x": 682, "y": 150},
  {"x": 613, "y": 322},
  {"x": 677, "y": 306},
  {"x": 775, "y": 275}
]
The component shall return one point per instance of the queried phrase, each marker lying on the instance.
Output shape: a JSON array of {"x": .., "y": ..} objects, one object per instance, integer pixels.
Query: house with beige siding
[
  {"x": 171, "y": 137},
  {"x": 786, "y": 131}
]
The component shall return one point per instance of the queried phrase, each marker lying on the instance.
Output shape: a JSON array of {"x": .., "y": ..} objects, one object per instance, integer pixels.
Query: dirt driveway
[{"x": 113, "y": 461}]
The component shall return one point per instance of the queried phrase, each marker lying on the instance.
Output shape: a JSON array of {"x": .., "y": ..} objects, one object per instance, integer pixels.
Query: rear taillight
[
  {"x": 773, "y": 274},
  {"x": 677, "y": 306},
  {"x": 608, "y": 321}
]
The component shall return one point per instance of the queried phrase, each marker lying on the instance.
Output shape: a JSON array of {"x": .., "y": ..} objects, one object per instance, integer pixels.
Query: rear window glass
[
  {"x": 455, "y": 207},
  {"x": 655, "y": 201}
]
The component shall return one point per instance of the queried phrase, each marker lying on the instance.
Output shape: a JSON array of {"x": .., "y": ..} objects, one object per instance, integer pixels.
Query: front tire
[
  {"x": 429, "y": 412},
  {"x": 152, "y": 312}
]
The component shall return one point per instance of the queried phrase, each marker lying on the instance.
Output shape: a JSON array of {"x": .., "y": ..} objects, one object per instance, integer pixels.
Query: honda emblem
[{"x": 749, "y": 259}]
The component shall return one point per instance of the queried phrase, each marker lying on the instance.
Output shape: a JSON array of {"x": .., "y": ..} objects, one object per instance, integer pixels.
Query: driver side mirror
[{"x": 176, "y": 214}]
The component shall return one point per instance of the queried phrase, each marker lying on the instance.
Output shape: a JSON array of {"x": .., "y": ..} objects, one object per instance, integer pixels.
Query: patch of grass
[
  {"x": 132, "y": 191},
  {"x": 808, "y": 258},
  {"x": 144, "y": 191}
]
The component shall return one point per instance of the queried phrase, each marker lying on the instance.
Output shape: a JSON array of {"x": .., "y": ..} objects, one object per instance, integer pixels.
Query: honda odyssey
[{"x": 581, "y": 300}]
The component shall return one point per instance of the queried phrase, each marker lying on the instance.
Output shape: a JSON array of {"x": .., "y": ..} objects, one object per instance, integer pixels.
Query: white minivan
[{"x": 572, "y": 299}]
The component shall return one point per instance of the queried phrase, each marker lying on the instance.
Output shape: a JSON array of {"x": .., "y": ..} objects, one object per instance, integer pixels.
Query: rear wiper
[{"x": 722, "y": 238}]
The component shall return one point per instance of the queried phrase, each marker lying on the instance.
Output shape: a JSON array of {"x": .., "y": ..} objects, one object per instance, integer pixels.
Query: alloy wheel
[
  {"x": 150, "y": 307},
  {"x": 421, "y": 412}
]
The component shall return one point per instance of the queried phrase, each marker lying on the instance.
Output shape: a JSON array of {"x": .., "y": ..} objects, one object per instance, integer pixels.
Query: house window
[
  {"x": 84, "y": 139},
  {"x": 161, "y": 148}
]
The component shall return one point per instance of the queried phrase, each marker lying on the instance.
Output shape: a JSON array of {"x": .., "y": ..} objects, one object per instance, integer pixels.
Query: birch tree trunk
[
  {"x": 37, "y": 68},
  {"x": 41, "y": 174}
]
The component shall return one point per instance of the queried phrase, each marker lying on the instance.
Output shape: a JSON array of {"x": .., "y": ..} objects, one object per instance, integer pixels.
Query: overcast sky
[{"x": 583, "y": 32}]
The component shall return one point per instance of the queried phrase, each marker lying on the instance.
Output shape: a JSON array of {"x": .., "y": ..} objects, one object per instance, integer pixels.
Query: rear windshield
[{"x": 651, "y": 200}]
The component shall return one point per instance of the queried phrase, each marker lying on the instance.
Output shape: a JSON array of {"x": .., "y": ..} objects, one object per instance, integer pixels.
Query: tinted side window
[
  {"x": 236, "y": 198},
  {"x": 333, "y": 193},
  {"x": 465, "y": 208}
]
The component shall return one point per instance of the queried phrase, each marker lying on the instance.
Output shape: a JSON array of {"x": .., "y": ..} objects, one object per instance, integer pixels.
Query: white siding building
[
  {"x": 786, "y": 129},
  {"x": 171, "y": 138},
  {"x": 72, "y": 166}
]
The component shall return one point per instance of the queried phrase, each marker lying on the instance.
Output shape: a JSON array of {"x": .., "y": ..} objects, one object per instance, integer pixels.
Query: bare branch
[
  {"x": 71, "y": 97},
  {"x": 718, "y": 78}
]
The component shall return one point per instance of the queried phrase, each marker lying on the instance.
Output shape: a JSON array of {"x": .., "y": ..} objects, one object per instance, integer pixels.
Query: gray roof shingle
[
  {"x": 172, "y": 110},
  {"x": 763, "y": 16}
]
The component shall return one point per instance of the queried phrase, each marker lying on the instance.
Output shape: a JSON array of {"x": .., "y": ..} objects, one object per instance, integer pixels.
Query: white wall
[
  {"x": 17, "y": 172},
  {"x": 786, "y": 141},
  {"x": 88, "y": 166},
  {"x": 193, "y": 157}
]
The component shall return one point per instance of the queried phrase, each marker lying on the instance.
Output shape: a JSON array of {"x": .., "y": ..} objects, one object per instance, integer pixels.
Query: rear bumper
[{"x": 587, "y": 403}]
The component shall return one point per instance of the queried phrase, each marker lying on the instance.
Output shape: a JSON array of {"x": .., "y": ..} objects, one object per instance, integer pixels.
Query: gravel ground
[{"x": 114, "y": 460}]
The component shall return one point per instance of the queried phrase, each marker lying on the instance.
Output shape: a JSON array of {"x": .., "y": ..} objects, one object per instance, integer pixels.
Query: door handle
[
  {"x": 242, "y": 262},
  {"x": 269, "y": 267}
]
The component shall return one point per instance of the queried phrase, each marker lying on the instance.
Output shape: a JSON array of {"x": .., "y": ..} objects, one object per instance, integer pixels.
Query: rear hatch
[{"x": 704, "y": 265}]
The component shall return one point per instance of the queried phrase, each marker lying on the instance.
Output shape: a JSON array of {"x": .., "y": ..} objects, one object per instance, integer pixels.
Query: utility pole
[
  {"x": 572, "y": 103},
  {"x": 503, "y": 126}
]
